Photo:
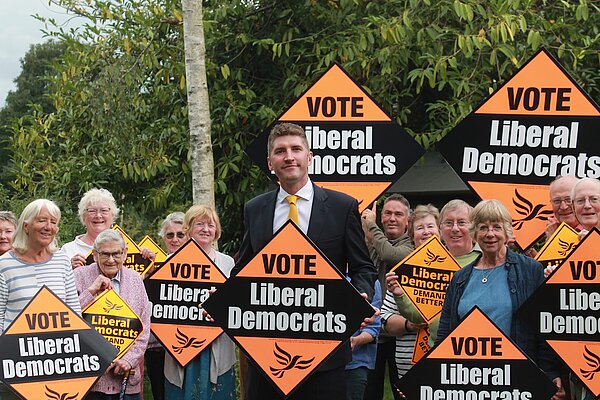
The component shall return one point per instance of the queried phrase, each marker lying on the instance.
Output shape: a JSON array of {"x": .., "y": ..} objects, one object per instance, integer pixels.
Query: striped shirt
[
  {"x": 405, "y": 344},
  {"x": 20, "y": 281}
]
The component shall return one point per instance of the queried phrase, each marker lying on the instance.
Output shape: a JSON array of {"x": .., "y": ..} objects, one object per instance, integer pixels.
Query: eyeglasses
[
  {"x": 106, "y": 255},
  {"x": 496, "y": 228},
  {"x": 558, "y": 201},
  {"x": 171, "y": 235},
  {"x": 205, "y": 225},
  {"x": 594, "y": 200},
  {"x": 101, "y": 211},
  {"x": 460, "y": 223}
]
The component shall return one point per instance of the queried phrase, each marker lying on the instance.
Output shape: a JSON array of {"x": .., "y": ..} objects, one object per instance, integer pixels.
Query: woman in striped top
[{"x": 35, "y": 261}]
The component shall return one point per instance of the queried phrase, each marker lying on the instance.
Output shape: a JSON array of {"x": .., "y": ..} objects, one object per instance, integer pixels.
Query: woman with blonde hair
[
  {"x": 8, "y": 225},
  {"x": 35, "y": 261},
  {"x": 499, "y": 281},
  {"x": 210, "y": 376}
]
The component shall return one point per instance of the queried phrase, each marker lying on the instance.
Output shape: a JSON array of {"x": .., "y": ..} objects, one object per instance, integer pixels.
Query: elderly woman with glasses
[
  {"x": 171, "y": 231},
  {"x": 455, "y": 234},
  {"x": 97, "y": 211},
  {"x": 107, "y": 272},
  {"x": 498, "y": 282}
]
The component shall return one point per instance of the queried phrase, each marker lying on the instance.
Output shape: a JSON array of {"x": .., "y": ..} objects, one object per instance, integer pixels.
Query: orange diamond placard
[
  {"x": 357, "y": 148},
  {"x": 539, "y": 125},
  {"x": 558, "y": 246},
  {"x": 176, "y": 290},
  {"x": 161, "y": 256},
  {"x": 425, "y": 274},
  {"x": 476, "y": 360},
  {"x": 50, "y": 352},
  {"x": 564, "y": 311},
  {"x": 112, "y": 317},
  {"x": 134, "y": 259},
  {"x": 421, "y": 344},
  {"x": 288, "y": 309}
]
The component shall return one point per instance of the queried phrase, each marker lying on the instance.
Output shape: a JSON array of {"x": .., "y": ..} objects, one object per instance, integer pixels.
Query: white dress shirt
[{"x": 304, "y": 205}]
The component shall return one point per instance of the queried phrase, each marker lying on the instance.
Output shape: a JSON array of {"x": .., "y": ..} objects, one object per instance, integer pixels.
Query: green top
[{"x": 386, "y": 253}]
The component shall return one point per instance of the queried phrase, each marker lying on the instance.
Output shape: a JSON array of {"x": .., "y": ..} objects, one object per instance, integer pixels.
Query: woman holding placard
[
  {"x": 108, "y": 272},
  {"x": 498, "y": 282},
  {"x": 454, "y": 229},
  {"x": 209, "y": 376},
  {"x": 33, "y": 262},
  {"x": 422, "y": 224}
]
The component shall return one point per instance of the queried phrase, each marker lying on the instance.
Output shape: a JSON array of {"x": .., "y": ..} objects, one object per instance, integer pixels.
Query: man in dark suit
[{"x": 332, "y": 222}]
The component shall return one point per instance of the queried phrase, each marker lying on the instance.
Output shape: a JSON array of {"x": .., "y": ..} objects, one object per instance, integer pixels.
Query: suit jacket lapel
[
  {"x": 265, "y": 219},
  {"x": 317, "y": 214}
]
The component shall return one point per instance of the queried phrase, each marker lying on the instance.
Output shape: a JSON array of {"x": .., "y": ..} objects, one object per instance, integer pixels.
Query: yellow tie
[{"x": 293, "y": 214}]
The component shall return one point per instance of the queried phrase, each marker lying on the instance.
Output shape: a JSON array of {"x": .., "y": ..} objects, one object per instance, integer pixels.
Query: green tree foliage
[
  {"x": 30, "y": 93},
  {"x": 121, "y": 116}
]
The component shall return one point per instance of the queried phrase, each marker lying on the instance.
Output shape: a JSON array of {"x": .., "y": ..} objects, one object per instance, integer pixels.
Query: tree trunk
[{"x": 202, "y": 163}]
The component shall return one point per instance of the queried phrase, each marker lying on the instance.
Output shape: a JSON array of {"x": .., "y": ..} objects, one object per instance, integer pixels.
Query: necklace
[{"x": 486, "y": 276}]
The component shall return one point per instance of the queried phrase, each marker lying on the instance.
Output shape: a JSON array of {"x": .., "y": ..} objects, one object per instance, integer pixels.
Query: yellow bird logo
[{"x": 109, "y": 306}]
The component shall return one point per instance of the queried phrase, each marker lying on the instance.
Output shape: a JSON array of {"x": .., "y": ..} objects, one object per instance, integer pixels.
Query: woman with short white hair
[
  {"x": 97, "y": 211},
  {"x": 108, "y": 272}
]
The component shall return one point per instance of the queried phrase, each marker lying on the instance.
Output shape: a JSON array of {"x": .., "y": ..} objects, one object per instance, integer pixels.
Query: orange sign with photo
[
  {"x": 564, "y": 311},
  {"x": 357, "y": 148},
  {"x": 425, "y": 274},
  {"x": 288, "y": 309},
  {"x": 476, "y": 360},
  {"x": 539, "y": 125},
  {"x": 50, "y": 352},
  {"x": 176, "y": 291}
]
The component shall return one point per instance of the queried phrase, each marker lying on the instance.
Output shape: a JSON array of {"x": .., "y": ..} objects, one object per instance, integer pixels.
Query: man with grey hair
[
  {"x": 562, "y": 204},
  {"x": 386, "y": 247}
]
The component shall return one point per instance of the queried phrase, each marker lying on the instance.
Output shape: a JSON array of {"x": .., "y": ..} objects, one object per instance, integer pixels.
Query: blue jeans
[{"x": 356, "y": 382}]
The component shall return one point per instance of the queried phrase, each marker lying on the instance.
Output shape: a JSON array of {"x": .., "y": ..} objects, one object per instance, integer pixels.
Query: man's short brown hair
[{"x": 286, "y": 129}]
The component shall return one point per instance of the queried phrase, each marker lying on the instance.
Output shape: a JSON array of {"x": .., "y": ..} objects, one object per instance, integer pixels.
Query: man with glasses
[
  {"x": 560, "y": 199},
  {"x": 586, "y": 203}
]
